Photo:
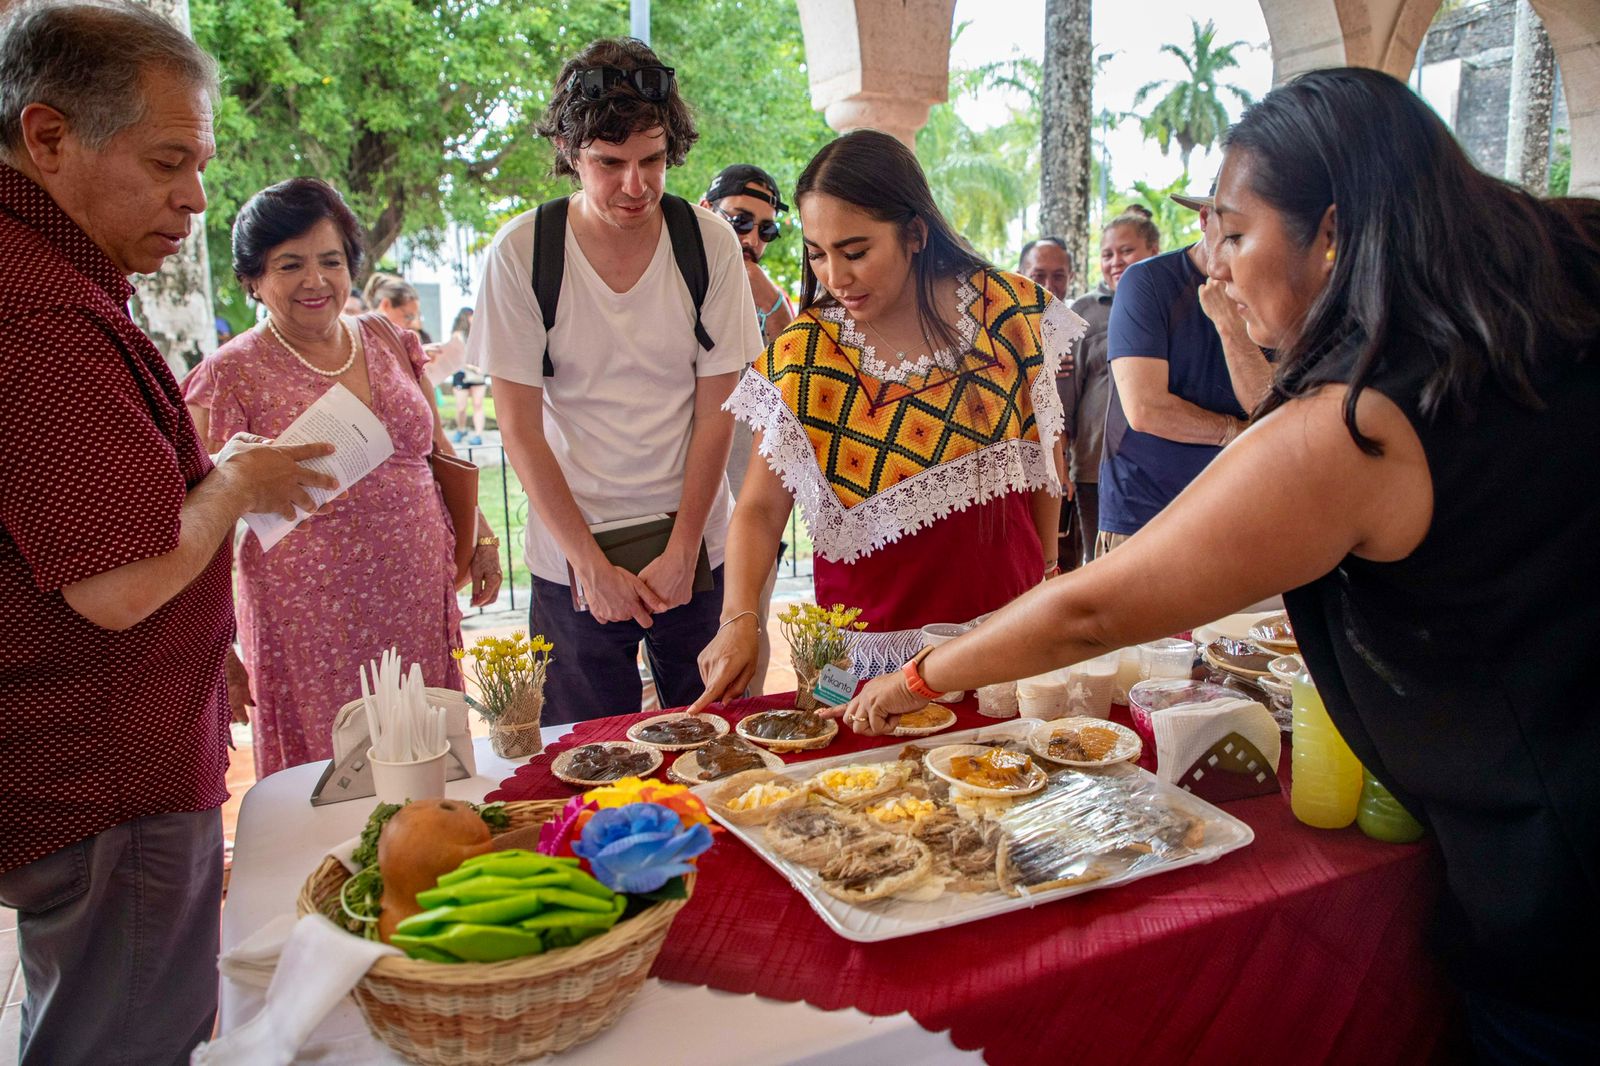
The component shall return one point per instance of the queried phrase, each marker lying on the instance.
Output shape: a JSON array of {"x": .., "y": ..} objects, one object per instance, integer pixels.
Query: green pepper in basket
[
  {"x": 575, "y": 901},
  {"x": 507, "y": 910},
  {"x": 512, "y": 863},
  {"x": 479, "y": 889},
  {"x": 476, "y": 943}
]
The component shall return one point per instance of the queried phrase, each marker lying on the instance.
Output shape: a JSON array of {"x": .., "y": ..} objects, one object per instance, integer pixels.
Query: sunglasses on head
[
  {"x": 742, "y": 223},
  {"x": 652, "y": 83}
]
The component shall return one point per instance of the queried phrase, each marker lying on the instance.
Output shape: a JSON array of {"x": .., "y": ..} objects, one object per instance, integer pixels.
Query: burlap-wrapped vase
[
  {"x": 806, "y": 675},
  {"x": 515, "y": 734}
]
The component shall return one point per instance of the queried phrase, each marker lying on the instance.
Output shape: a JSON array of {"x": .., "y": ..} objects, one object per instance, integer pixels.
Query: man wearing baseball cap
[
  {"x": 1184, "y": 377},
  {"x": 747, "y": 197}
]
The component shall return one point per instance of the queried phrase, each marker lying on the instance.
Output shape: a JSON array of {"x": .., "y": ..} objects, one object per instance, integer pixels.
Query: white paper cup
[
  {"x": 1044, "y": 697},
  {"x": 1091, "y": 685},
  {"x": 939, "y": 633},
  {"x": 401, "y": 782}
]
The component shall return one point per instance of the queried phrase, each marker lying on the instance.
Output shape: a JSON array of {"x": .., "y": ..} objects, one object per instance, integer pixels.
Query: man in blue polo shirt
[{"x": 1184, "y": 375}]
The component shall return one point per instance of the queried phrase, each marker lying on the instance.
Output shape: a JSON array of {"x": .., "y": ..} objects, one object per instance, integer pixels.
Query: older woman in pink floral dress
[{"x": 374, "y": 569}]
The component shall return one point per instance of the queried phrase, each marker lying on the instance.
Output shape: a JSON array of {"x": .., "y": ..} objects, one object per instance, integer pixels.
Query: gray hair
[{"x": 85, "y": 58}]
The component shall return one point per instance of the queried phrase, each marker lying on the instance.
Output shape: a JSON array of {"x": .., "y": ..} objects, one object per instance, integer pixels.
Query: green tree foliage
[
  {"x": 1178, "y": 225},
  {"x": 1191, "y": 113},
  {"x": 986, "y": 181},
  {"x": 421, "y": 111},
  {"x": 742, "y": 67}
]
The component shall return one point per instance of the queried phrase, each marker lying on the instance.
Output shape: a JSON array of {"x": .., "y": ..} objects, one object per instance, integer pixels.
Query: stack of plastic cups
[
  {"x": 1127, "y": 674},
  {"x": 1167, "y": 659}
]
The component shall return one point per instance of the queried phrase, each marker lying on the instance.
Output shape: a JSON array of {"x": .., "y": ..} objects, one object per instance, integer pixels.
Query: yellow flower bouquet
[
  {"x": 510, "y": 672},
  {"x": 817, "y": 636}
]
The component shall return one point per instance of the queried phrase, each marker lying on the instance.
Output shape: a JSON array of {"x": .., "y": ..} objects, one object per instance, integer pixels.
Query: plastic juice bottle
[
  {"x": 1382, "y": 817},
  {"x": 1327, "y": 775}
]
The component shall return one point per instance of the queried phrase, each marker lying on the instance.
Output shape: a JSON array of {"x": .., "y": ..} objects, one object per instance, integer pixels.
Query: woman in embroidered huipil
[{"x": 910, "y": 410}]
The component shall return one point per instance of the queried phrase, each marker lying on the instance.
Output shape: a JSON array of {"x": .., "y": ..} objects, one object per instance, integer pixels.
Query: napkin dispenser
[
  {"x": 349, "y": 775},
  {"x": 1220, "y": 750}
]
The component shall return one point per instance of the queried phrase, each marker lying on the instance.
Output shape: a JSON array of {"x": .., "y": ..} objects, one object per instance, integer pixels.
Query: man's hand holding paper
[{"x": 356, "y": 444}]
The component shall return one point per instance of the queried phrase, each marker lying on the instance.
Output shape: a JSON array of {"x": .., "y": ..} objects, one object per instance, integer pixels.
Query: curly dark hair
[{"x": 572, "y": 122}]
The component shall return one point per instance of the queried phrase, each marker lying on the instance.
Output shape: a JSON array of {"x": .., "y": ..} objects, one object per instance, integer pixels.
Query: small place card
[{"x": 835, "y": 685}]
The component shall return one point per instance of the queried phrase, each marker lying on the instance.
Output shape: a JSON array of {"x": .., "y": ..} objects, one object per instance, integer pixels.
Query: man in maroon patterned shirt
[{"x": 116, "y": 609}]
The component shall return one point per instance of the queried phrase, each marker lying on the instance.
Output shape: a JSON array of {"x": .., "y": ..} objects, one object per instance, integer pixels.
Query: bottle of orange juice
[{"x": 1327, "y": 775}]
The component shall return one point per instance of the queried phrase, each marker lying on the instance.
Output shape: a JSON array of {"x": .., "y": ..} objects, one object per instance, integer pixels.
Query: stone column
[
  {"x": 877, "y": 63},
  {"x": 1066, "y": 104},
  {"x": 1533, "y": 85},
  {"x": 174, "y": 306}
]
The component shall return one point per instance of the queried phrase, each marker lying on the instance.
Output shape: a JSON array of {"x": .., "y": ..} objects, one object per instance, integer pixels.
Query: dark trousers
[
  {"x": 1080, "y": 522},
  {"x": 119, "y": 936},
  {"x": 594, "y": 670}
]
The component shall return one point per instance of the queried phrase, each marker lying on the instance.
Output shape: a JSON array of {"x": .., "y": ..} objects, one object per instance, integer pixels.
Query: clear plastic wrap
[{"x": 1086, "y": 825}]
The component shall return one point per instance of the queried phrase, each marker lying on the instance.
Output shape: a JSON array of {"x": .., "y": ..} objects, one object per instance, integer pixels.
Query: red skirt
[{"x": 965, "y": 564}]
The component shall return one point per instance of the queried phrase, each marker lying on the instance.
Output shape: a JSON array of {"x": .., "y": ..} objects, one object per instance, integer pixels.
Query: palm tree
[{"x": 1191, "y": 114}]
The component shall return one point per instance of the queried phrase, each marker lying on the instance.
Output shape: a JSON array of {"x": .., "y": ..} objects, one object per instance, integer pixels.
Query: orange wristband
[{"x": 914, "y": 680}]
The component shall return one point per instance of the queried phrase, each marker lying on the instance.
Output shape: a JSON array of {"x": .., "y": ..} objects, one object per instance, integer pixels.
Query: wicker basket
[{"x": 501, "y": 1012}]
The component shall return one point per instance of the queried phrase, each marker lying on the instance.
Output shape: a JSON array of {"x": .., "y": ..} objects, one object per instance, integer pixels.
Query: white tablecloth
[{"x": 281, "y": 838}]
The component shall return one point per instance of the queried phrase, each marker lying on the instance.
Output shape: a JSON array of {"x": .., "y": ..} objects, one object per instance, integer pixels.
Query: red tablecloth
[{"x": 1306, "y": 946}]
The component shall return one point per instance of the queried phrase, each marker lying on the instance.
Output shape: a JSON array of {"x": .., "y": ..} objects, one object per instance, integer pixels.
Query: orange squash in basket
[{"x": 423, "y": 840}]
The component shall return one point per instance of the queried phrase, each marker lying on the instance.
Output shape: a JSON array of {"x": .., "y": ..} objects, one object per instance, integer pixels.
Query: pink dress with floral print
[{"x": 373, "y": 571}]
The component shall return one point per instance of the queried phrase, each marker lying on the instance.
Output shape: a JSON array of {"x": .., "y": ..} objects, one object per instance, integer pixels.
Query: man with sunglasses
[
  {"x": 614, "y": 323},
  {"x": 747, "y": 197}
]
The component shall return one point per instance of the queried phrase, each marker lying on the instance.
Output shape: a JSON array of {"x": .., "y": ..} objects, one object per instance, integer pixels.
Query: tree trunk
[
  {"x": 173, "y": 306},
  {"x": 1533, "y": 83},
  {"x": 1066, "y": 105}
]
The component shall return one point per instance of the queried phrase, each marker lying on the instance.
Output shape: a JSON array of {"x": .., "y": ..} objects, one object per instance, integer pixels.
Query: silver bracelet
[{"x": 738, "y": 616}]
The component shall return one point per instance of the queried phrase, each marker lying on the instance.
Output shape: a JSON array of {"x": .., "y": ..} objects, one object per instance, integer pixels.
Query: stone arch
[
  {"x": 1385, "y": 34},
  {"x": 1574, "y": 29}
]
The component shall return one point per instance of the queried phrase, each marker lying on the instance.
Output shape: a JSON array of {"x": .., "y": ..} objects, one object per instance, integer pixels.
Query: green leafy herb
[{"x": 366, "y": 853}]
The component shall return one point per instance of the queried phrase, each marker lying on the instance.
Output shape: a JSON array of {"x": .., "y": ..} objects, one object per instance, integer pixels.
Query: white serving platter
[{"x": 889, "y": 919}]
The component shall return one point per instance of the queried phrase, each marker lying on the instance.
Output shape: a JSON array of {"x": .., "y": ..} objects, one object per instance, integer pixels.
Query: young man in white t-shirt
[{"x": 630, "y": 424}]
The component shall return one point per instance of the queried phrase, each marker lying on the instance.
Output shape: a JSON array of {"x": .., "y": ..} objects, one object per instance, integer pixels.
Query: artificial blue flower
[{"x": 639, "y": 847}]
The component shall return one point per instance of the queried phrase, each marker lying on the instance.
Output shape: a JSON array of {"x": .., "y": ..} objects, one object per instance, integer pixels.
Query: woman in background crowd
[
  {"x": 394, "y": 299},
  {"x": 470, "y": 386},
  {"x": 369, "y": 571}
]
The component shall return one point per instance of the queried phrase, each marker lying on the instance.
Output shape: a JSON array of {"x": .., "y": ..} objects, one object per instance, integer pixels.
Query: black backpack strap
[
  {"x": 689, "y": 250},
  {"x": 549, "y": 264}
]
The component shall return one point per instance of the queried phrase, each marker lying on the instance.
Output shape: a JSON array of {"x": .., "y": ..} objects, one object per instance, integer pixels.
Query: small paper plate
[
  {"x": 938, "y": 761},
  {"x": 947, "y": 720},
  {"x": 718, "y": 723},
  {"x": 686, "y": 768},
  {"x": 1128, "y": 745},
  {"x": 822, "y": 740},
  {"x": 563, "y": 762}
]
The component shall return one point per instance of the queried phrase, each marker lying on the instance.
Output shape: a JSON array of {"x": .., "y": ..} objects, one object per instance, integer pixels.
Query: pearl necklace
[{"x": 349, "y": 333}]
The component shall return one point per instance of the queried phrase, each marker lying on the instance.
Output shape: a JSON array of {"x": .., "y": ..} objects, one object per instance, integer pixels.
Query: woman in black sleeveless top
[{"x": 1425, "y": 479}]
